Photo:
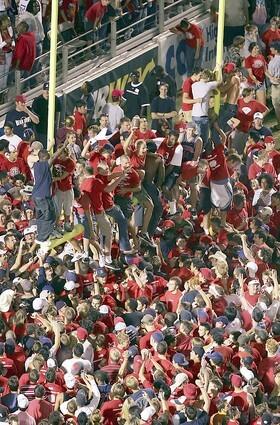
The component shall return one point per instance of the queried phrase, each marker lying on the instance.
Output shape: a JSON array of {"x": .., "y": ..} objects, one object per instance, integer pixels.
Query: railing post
[
  {"x": 64, "y": 63},
  {"x": 160, "y": 16},
  {"x": 113, "y": 38},
  {"x": 17, "y": 82}
]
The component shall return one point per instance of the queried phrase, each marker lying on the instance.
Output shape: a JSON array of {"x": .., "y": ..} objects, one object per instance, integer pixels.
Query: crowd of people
[{"x": 165, "y": 309}]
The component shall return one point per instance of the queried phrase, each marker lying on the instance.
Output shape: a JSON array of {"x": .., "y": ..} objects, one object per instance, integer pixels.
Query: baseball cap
[
  {"x": 251, "y": 266},
  {"x": 216, "y": 357},
  {"x": 70, "y": 285},
  {"x": 253, "y": 282},
  {"x": 26, "y": 285},
  {"x": 27, "y": 134},
  {"x": 101, "y": 272},
  {"x": 104, "y": 309},
  {"x": 190, "y": 391},
  {"x": 120, "y": 326},
  {"x": 21, "y": 98},
  {"x": 219, "y": 255},
  {"x": 29, "y": 230},
  {"x": 22, "y": 401},
  {"x": 229, "y": 67},
  {"x": 180, "y": 359},
  {"x": 38, "y": 304},
  {"x": 60, "y": 304},
  {"x": 199, "y": 351},
  {"x": 70, "y": 276},
  {"x": 269, "y": 139},
  {"x": 266, "y": 211},
  {"x": 82, "y": 334},
  {"x": 46, "y": 86},
  {"x": 168, "y": 224},
  {"x": 36, "y": 146},
  {"x": 258, "y": 115},
  {"x": 157, "y": 336},
  {"x": 117, "y": 93},
  {"x": 222, "y": 319},
  {"x": 236, "y": 380}
]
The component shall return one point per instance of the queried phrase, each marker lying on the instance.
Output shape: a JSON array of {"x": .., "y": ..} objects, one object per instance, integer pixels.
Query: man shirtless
[
  {"x": 231, "y": 90},
  {"x": 154, "y": 177}
]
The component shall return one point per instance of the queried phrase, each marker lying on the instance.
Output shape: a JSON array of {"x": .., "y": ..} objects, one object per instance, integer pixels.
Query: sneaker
[
  {"x": 77, "y": 256},
  {"x": 102, "y": 261},
  {"x": 112, "y": 266},
  {"x": 146, "y": 238}
]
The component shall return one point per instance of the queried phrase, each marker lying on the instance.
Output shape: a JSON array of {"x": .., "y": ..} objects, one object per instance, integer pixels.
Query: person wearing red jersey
[
  {"x": 255, "y": 63},
  {"x": 187, "y": 98},
  {"x": 93, "y": 18},
  {"x": 143, "y": 132},
  {"x": 173, "y": 295},
  {"x": 247, "y": 106},
  {"x": 15, "y": 165},
  {"x": 25, "y": 50},
  {"x": 273, "y": 154},
  {"x": 24, "y": 146},
  {"x": 261, "y": 165},
  {"x": 271, "y": 34},
  {"x": 194, "y": 44},
  {"x": 64, "y": 195},
  {"x": 110, "y": 208},
  {"x": 80, "y": 124},
  {"x": 237, "y": 216}
]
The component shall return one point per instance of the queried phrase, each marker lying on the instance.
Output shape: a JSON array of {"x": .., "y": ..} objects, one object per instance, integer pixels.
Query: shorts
[
  {"x": 142, "y": 196},
  {"x": 204, "y": 200},
  {"x": 64, "y": 201},
  {"x": 82, "y": 219},
  {"x": 221, "y": 194}
]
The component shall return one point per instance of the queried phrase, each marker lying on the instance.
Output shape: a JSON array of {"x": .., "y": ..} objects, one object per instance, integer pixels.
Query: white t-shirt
[
  {"x": 177, "y": 157},
  {"x": 202, "y": 89},
  {"x": 115, "y": 114},
  {"x": 13, "y": 140}
]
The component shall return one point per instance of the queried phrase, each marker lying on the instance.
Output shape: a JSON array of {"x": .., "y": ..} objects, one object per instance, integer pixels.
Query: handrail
[{"x": 116, "y": 42}]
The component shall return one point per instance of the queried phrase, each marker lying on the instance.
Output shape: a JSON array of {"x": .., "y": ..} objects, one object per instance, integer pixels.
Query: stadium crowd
[{"x": 166, "y": 309}]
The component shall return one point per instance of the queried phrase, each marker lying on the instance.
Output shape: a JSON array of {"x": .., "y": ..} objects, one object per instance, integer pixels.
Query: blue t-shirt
[
  {"x": 42, "y": 180},
  {"x": 20, "y": 119}
]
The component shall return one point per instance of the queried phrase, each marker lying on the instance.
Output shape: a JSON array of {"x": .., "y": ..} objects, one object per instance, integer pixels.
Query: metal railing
[{"x": 120, "y": 35}]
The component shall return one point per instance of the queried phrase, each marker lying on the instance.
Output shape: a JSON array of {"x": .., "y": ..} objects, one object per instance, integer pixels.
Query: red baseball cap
[
  {"x": 229, "y": 67},
  {"x": 190, "y": 391},
  {"x": 269, "y": 139},
  {"x": 168, "y": 224},
  {"x": 82, "y": 334},
  {"x": 21, "y": 98},
  {"x": 236, "y": 380},
  {"x": 117, "y": 93}
]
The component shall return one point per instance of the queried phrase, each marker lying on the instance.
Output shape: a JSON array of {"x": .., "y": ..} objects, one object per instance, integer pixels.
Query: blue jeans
[
  {"x": 45, "y": 217},
  {"x": 203, "y": 127},
  {"x": 191, "y": 62},
  {"x": 116, "y": 213},
  {"x": 82, "y": 219}
]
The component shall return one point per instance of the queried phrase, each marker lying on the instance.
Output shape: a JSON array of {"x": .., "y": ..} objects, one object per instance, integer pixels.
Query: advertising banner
[{"x": 172, "y": 51}]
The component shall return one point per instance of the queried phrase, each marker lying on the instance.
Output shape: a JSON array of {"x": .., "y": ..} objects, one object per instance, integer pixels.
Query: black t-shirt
[
  {"x": 263, "y": 132},
  {"x": 164, "y": 106},
  {"x": 40, "y": 107},
  {"x": 133, "y": 319},
  {"x": 21, "y": 121},
  {"x": 136, "y": 97}
]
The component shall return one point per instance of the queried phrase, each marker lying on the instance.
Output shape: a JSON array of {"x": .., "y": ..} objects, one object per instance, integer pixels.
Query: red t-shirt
[
  {"x": 187, "y": 88},
  {"x": 94, "y": 188},
  {"x": 96, "y": 12},
  {"x": 132, "y": 180},
  {"x": 188, "y": 171},
  {"x": 171, "y": 300},
  {"x": 137, "y": 162},
  {"x": 25, "y": 51},
  {"x": 269, "y": 36},
  {"x": 70, "y": 8},
  {"x": 255, "y": 170},
  {"x": 257, "y": 64},
  {"x": 193, "y": 33},
  {"x": 246, "y": 111},
  {"x": 39, "y": 409},
  {"x": 238, "y": 218},
  {"x": 107, "y": 197},
  {"x": 110, "y": 412},
  {"x": 217, "y": 164},
  {"x": 16, "y": 167},
  {"x": 23, "y": 150},
  {"x": 68, "y": 165},
  {"x": 147, "y": 135},
  {"x": 80, "y": 122},
  {"x": 3, "y": 163}
]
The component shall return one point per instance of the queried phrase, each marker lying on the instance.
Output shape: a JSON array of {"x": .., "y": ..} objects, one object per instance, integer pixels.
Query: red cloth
[
  {"x": 217, "y": 164},
  {"x": 25, "y": 51},
  {"x": 193, "y": 33},
  {"x": 187, "y": 88},
  {"x": 39, "y": 409},
  {"x": 96, "y": 12},
  {"x": 269, "y": 36},
  {"x": 94, "y": 187},
  {"x": 80, "y": 122},
  {"x": 132, "y": 180},
  {"x": 16, "y": 167},
  {"x": 68, "y": 166},
  {"x": 255, "y": 170},
  {"x": 246, "y": 111},
  {"x": 257, "y": 64}
]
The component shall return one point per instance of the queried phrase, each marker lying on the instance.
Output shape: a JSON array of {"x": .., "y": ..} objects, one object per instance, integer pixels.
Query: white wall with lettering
[{"x": 171, "y": 53}]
